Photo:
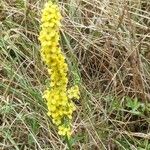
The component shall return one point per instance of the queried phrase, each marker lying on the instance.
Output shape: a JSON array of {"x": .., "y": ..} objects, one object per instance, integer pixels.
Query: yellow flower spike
[
  {"x": 58, "y": 122},
  {"x": 53, "y": 108},
  {"x": 58, "y": 97},
  {"x": 73, "y": 92}
]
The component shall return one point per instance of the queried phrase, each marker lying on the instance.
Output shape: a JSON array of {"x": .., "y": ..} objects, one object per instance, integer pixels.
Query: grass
[{"x": 107, "y": 47}]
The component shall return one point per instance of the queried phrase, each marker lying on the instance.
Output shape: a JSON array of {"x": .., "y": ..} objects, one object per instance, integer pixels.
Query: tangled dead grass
[{"x": 107, "y": 44}]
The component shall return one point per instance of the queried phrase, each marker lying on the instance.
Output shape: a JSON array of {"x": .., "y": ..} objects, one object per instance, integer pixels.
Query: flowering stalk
[{"x": 58, "y": 96}]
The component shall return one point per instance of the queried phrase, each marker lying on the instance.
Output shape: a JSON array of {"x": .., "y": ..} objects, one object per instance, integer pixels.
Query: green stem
[{"x": 68, "y": 143}]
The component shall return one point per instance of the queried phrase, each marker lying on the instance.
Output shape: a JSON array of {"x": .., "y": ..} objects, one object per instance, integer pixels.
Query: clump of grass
[{"x": 109, "y": 42}]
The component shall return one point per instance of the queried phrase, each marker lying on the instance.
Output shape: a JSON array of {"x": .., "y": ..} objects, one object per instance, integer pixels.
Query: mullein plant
[{"x": 58, "y": 96}]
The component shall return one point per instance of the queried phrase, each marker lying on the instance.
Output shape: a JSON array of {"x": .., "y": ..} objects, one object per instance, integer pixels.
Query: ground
[{"x": 107, "y": 48}]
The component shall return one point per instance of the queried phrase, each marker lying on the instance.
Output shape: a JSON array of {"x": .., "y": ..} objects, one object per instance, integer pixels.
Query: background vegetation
[{"x": 107, "y": 46}]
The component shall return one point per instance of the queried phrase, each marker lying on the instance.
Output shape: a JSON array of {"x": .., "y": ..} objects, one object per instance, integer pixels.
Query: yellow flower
[
  {"x": 64, "y": 130},
  {"x": 58, "y": 97},
  {"x": 73, "y": 92}
]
